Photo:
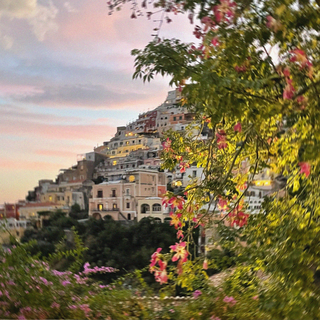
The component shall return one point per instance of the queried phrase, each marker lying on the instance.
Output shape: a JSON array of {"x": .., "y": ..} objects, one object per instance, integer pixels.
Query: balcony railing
[{"x": 105, "y": 210}]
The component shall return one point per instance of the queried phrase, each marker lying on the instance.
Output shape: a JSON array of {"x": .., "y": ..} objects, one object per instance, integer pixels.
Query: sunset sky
[{"x": 66, "y": 83}]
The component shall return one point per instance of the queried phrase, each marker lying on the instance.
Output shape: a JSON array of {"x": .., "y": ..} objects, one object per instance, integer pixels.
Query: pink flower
[
  {"x": 208, "y": 22},
  {"x": 180, "y": 250},
  {"x": 221, "y": 139},
  {"x": 177, "y": 202},
  {"x": 286, "y": 72},
  {"x": 300, "y": 57},
  {"x": 223, "y": 204},
  {"x": 238, "y": 218},
  {"x": 215, "y": 42},
  {"x": 197, "y": 293},
  {"x": 230, "y": 300},
  {"x": 205, "y": 264},
  {"x": 155, "y": 257},
  {"x": 305, "y": 168},
  {"x": 224, "y": 11},
  {"x": 255, "y": 297},
  {"x": 302, "y": 101},
  {"x": 289, "y": 90},
  {"x": 161, "y": 276},
  {"x": 183, "y": 166},
  {"x": 175, "y": 220},
  {"x": 165, "y": 201},
  {"x": 237, "y": 127},
  {"x": 198, "y": 34},
  {"x": 167, "y": 145},
  {"x": 180, "y": 234},
  {"x": 55, "y": 305},
  {"x": 241, "y": 68},
  {"x": 273, "y": 24}
]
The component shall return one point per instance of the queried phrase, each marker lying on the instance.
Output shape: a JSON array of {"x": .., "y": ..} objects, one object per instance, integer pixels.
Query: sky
[{"x": 66, "y": 83}]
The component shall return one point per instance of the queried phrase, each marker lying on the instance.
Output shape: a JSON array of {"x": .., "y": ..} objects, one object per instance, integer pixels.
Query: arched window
[
  {"x": 145, "y": 208},
  {"x": 167, "y": 220},
  {"x": 97, "y": 216},
  {"x": 157, "y": 220},
  {"x": 156, "y": 207}
]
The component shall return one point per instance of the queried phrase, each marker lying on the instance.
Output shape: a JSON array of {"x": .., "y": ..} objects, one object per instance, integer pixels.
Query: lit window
[
  {"x": 131, "y": 178},
  {"x": 114, "y": 162}
]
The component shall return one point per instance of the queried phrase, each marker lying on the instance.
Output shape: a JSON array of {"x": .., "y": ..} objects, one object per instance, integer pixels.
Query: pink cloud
[
  {"x": 22, "y": 165},
  {"x": 93, "y": 132},
  {"x": 18, "y": 89},
  {"x": 56, "y": 153}
]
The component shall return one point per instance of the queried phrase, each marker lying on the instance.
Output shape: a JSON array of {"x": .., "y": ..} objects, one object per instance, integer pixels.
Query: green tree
[{"x": 253, "y": 79}]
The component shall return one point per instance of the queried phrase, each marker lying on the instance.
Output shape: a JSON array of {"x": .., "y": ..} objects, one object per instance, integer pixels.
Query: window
[
  {"x": 129, "y": 216},
  {"x": 100, "y": 206},
  {"x": 174, "y": 118},
  {"x": 156, "y": 207},
  {"x": 180, "y": 118},
  {"x": 114, "y": 162},
  {"x": 114, "y": 206},
  {"x": 131, "y": 178},
  {"x": 121, "y": 143},
  {"x": 194, "y": 173},
  {"x": 145, "y": 208},
  {"x": 127, "y": 192},
  {"x": 128, "y": 205},
  {"x": 133, "y": 142},
  {"x": 100, "y": 194},
  {"x": 113, "y": 193},
  {"x": 139, "y": 141}
]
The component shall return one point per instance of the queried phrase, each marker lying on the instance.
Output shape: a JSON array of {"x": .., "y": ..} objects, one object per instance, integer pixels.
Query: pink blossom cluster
[
  {"x": 180, "y": 252},
  {"x": 96, "y": 269},
  {"x": 221, "y": 139},
  {"x": 173, "y": 202},
  {"x": 160, "y": 273},
  {"x": 225, "y": 11}
]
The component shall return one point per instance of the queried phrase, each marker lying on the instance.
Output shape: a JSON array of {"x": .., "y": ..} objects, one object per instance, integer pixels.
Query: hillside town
[{"x": 122, "y": 178}]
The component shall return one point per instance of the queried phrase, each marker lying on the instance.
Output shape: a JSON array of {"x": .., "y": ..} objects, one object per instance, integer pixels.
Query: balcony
[{"x": 105, "y": 210}]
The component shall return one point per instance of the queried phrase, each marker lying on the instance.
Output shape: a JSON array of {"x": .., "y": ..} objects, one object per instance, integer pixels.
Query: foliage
[
  {"x": 30, "y": 289},
  {"x": 125, "y": 247},
  {"x": 253, "y": 79}
]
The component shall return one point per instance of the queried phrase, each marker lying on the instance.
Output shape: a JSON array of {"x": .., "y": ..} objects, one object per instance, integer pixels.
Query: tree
[{"x": 253, "y": 78}]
